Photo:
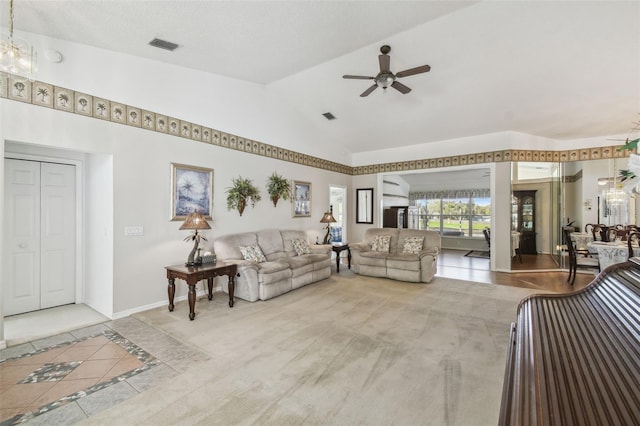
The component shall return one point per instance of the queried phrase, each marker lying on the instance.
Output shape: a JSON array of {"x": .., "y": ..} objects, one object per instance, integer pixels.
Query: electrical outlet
[{"x": 133, "y": 231}]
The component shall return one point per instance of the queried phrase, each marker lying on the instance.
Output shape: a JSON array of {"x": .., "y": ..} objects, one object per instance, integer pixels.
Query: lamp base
[
  {"x": 327, "y": 237},
  {"x": 191, "y": 260}
]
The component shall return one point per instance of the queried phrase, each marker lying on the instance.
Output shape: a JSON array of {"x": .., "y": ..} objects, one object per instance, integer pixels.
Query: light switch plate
[{"x": 133, "y": 231}]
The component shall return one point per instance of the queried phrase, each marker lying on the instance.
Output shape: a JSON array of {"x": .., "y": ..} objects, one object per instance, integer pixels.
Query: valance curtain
[{"x": 457, "y": 193}]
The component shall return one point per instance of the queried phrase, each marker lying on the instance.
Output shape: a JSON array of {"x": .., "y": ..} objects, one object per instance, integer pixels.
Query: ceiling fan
[{"x": 385, "y": 77}]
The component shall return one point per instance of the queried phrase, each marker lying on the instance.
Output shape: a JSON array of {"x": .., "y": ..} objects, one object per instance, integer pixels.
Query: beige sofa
[
  {"x": 414, "y": 267},
  {"x": 284, "y": 270}
]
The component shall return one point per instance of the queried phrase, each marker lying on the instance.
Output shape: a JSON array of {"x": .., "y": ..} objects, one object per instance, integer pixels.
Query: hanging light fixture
[{"x": 16, "y": 55}]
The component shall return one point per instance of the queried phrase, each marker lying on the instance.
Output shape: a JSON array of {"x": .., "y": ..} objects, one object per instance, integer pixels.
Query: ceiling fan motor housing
[{"x": 385, "y": 79}]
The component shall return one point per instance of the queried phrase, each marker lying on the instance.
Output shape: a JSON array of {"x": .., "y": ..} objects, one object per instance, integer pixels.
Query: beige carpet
[{"x": 347, "y": 350}]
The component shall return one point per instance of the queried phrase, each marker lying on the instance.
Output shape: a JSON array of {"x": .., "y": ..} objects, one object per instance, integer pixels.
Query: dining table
[
  {"x": 581, "y": 239},
  {"x": 610, "y": 253},
  {"x": 515, "y": 243}
]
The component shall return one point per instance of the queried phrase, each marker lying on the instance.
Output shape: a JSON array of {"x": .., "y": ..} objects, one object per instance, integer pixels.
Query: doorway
[
  {"x": 40, "y": 235},
  {"x": 337, "y": 200}
]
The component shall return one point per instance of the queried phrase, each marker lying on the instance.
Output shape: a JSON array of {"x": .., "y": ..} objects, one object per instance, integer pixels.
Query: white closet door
[
  {"x": 21, "y": 281},
  {"x": 39, "y": 246},
  {"x": 58, "y": 234}
]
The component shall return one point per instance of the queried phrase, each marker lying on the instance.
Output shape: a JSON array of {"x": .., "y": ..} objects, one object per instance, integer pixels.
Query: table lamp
[
  {"x": 194, "y": 221},
  {"x": 328, "y": 219}
]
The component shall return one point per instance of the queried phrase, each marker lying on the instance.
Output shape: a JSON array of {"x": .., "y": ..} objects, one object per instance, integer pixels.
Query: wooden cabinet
[
  {"x": 523, "y": 220},
  {"x": 395, "y": 217}
]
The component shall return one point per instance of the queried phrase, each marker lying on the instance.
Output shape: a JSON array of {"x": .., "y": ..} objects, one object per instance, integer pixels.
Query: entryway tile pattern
[
  {"x": 37, "y": 382},
  {"x": 68, "y": 377}
]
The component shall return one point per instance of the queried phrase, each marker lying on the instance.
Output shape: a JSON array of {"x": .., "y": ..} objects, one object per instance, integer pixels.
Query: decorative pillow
[
  {"x": 301, "y": 246},
  {"x": 413, "y": 245},
  {"x": 252, "y": 253},
  {"x": 381, "y": 243}
]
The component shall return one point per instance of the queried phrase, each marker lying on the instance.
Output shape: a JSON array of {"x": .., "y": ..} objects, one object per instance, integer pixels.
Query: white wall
[{"x": 128, "y": 184}]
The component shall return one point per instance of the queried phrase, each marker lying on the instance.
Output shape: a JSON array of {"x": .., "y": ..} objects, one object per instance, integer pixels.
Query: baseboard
[{"x": 165, "y": 302}]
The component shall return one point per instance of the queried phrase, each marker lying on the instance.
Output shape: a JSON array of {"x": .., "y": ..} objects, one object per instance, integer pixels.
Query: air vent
[
  {"x": 329, "y": 116},
  {"x": 162, "y": 44}
]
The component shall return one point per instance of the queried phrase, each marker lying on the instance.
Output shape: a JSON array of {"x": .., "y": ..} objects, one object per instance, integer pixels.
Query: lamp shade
[
  {"x": 195, "y": 220},
  {"x": 328, "y": 218}
]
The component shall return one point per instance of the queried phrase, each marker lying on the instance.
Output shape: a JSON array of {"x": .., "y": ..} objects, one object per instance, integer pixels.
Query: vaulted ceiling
[{"x": 557, "y": 69}]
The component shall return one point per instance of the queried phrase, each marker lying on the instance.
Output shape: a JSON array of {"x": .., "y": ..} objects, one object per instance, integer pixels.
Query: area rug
[{"x": 478, "y": 253}]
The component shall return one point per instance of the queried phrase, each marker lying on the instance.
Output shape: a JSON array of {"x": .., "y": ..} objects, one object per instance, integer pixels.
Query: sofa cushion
[
  {"x": 410, "y": 262},
  {"x": 301, "y": 246},
  {"x": 228, "y": 246},
  {"x": 272, "y": 272},
  {"x": 270, "y": 241},
  {"x": 373, "y": 258},
  {"x": 252, "y": 253},
  {"x": 413, "y": 245},
  {"x": 381, "y": 243},
  {"x": 288, "y": 236}
]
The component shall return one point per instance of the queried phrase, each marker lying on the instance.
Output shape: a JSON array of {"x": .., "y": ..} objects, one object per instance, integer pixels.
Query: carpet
[
  {"x": 478, "y": 253},
  {"x": 345, "y": 350}
]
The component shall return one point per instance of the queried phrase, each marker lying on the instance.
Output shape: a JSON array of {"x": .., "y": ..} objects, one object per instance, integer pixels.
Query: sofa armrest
[
  {"x": 360, "y": 246},
  {"x": 433, "y": 251}
]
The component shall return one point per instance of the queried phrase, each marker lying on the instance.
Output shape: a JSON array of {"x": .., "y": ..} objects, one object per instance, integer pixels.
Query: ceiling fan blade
[
  {"x": 369, "y": 90},
  {"x": 400, "y": 87},
  {"x": 358, "y": 77},
  {"x": 384, "y": 60},
  {"x": 413, "y": 71}
]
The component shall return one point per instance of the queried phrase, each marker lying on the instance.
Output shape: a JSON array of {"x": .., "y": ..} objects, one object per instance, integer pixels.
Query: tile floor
[{"x": 71, "y": 376}]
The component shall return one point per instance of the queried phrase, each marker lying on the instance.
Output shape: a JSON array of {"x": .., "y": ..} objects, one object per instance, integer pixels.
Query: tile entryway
[{"x": 71, "y": 376}]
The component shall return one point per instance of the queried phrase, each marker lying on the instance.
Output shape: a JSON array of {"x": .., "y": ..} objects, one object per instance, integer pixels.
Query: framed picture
[
  {"x": 364, "y": 205},
  {"x": 191, "y": 190},
  {"x": 302, "y": 200}
]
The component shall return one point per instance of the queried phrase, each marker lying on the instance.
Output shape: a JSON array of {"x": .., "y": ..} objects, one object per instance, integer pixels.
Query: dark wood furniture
[
  {"x": 395, "y": 217},
  {"x": 633, "y": 238},
  {"x": 337, "y": 248},
  {"x": 192, "y": 274},
  {"x": 523, "y": 220},
  {"x": 574, "y": 359},
  {"x": 578, "y": 258}
]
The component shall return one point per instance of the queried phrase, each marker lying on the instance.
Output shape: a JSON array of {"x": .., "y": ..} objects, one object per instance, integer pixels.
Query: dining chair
[
  {"x": 634, "y": 237},
  {"x": 581, "y": 260},
  {"x": 610, "y": 234},
  {"x": 599, "y": 232},
  {"x": 487, "y": 236}
]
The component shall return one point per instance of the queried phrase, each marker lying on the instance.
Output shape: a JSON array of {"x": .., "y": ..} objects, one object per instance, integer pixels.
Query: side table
[
  {"x": 337, "y": 248},
  {"x": 192, "y": 274}
]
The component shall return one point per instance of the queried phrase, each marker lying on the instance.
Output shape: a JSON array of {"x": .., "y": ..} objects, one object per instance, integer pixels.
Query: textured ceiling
[{"x": 557, "y": 69}]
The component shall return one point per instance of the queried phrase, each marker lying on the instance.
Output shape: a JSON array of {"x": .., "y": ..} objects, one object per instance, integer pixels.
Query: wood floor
[{"x": 453, "y": 264}]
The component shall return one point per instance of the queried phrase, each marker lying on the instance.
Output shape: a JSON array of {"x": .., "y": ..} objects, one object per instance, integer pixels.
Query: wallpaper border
[{"x": 49, "y": 96}]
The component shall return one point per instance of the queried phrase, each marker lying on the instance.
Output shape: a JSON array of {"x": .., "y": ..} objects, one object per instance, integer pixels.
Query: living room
[{"x": 124, "y": 171}]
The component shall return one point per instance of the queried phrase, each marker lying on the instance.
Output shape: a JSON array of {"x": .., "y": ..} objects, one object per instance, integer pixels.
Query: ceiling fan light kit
[{"x": 385, "y": 77}]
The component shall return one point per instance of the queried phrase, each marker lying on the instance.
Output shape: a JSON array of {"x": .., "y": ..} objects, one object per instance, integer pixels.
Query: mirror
[{"x": 364, "y": 205}]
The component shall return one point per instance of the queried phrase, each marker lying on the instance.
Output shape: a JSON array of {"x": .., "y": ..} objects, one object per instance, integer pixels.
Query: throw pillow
[
  {"x": 381, "y": 243},
  {"x": 252, "y": 253},
  {"x": 413, "y": 245},
  {"x": 301, "y": 246}
]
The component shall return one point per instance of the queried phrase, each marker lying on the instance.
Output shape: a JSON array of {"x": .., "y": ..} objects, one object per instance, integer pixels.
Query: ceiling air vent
[
  {"x": 162, "y": 44},
  {"x": 329, "y": 116}
]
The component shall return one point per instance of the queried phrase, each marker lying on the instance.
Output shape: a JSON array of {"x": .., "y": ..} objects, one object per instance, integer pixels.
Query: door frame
[{"x": 79, "y": 267}]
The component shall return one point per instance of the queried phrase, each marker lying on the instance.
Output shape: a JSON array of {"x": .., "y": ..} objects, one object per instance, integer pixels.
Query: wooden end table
[
  {"x": 337, "y": 248},
  {"x": 192, "y": 274}
]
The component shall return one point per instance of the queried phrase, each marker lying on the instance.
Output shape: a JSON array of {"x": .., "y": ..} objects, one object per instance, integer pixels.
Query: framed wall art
[
  {"x": 191, "y": 190},
  {"x": 364, "y": 205},
  {"x": 302, "y": 199}
]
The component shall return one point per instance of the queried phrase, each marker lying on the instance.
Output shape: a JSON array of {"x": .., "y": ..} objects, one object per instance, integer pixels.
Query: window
[{"x": 453, "y": 213}]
